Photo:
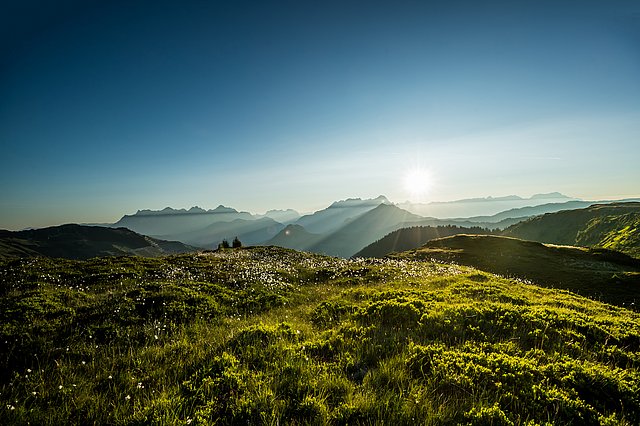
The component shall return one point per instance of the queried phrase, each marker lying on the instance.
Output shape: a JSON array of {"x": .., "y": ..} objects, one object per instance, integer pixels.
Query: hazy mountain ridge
[
  {"x": 250, "y": 232},
  {"x": 362, "y": 230},
  {"x": 344, "y": 228},
  {"x": 84, "y": 242},
  {"x": 283, "y": 216},
  {"x": 485, "y": 206},
  {"x": 294, "y": 237},
  {"x": 332, "y": 218}
]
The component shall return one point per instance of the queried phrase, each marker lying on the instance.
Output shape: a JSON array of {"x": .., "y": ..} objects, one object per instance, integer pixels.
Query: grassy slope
[
  {"x": 273, "y": 336},
  {"x": 411, "y": 238},
  {"x": 614, "y": 226},
  {"x": 605, "y": 275},
  {"x": 83, "y": 242}
]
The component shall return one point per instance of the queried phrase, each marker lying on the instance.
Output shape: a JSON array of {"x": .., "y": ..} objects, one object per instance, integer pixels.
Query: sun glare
[{"x": 417, "y": 182}]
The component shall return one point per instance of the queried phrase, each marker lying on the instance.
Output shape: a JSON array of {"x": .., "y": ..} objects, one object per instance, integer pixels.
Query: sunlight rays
[{"x": 417, "y": 182}]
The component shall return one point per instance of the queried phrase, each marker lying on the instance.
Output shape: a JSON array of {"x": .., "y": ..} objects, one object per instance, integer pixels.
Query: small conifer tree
[
  {"x": 236, "y": 243},
  {"x": 223, "y": 244}
]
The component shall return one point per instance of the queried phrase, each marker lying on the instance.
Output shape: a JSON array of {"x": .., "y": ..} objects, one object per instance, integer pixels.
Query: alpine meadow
[{"x": 331, "y": 213}]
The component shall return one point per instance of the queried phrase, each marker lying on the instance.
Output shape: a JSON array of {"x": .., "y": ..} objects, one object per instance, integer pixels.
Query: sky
[{"x": 107, "y": 107}]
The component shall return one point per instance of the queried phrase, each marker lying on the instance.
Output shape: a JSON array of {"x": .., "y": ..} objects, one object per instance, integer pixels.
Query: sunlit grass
[{"x": 273, "y": 336}]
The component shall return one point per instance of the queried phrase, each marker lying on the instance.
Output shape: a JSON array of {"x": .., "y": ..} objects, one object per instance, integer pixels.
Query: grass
[
  {"x": 273, "y": 336},
  {"x": 606, "y": 275}
]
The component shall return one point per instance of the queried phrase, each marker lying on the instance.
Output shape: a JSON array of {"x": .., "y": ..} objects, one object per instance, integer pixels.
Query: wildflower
[
  {"x": 60, "y": 387},
  {"x": 140, "y": 386},
  {"x": 110, "y": 377},
  {"x": 28, "y": 370},
  {"x": 34, "y": 393}
]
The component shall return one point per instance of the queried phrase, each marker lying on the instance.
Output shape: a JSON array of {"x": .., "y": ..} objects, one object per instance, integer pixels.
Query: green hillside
[
  {"x": 413, "y": 237},
  {"x": 614, "y": 226},
  {"x": 598, "y": 273},
  {"x": 84, "y": 242},
  {"x": 273, "y": 336}
]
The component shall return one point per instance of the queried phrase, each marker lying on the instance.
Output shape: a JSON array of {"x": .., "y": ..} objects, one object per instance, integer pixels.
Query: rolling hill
[
  {"x": 599, "y": 273},
  {"x": 615, "y": 226},
  {"x": 264, "y": 335},
  {"x": 413, "y": 237},
  {"x": 84, "y": 242}
]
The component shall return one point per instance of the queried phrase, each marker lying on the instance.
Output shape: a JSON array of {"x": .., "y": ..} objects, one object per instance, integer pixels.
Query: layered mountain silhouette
[
  {"x": 250, "y": 232},
  {"x": 178, "y": 222},
  {"x": 283, "y": 216},
  {"x": 337, "y": 214},
  {"x": 486, "y": 206},
  {"x": 347, "y": 227},
  {"x": 84, "y": 242}
]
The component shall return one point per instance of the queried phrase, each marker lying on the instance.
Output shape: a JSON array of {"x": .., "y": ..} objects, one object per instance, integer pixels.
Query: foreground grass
[{"x": 274, "y": 336}]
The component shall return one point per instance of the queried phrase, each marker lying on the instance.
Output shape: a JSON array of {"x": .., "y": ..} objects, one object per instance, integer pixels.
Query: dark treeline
[{"x": 414, "y": 237}]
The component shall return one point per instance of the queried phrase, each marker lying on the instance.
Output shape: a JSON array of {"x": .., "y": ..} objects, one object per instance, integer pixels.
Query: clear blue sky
[{"x": 113, "y": 106}]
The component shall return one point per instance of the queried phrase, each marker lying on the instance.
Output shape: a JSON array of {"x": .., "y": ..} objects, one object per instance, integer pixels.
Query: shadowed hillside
[
  {"x": 413, "y": 237},
  {"x": 84, "y": 242},
  {"x": 614, "y": 226},
  {"x": 602, "y": 274}
]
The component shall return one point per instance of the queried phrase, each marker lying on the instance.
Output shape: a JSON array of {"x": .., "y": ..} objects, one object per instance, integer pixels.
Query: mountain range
[
  {"x": 342, "y": 229},
  {"x": 486, "y": 206},
  {"x": 347, "y": 227}
]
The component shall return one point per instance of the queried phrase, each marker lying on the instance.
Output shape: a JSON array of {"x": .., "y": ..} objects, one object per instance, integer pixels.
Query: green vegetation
[
  {"x": 84, "y": 242},
  {"x": 613, "y": 226},
  {"x": 621, "y": 233},
  {"x": 414, "y": 237},
  {"x": 273, "y": 336},
  {"x": 597, "y": 273}
]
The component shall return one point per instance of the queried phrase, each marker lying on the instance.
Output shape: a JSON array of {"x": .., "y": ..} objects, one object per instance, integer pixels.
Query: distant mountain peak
[
  {"x": 354, "y": 202},
  {"x": 223, "y": 209},
  {"x": 280, "y": 211},
  {"x": 550, "y": 195}
]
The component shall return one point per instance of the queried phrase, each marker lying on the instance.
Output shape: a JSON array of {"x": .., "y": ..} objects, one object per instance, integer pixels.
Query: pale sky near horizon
[{"x": 111, "y": 107}]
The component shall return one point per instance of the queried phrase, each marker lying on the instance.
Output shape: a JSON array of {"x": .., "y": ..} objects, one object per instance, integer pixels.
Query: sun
[{"x": 417, "y": 182}]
